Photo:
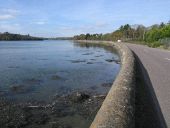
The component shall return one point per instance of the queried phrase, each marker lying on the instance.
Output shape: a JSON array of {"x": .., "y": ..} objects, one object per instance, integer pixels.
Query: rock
[
  {"x": 113, "y": 60},
  {"x": 32, "y": 81},
  {"x": 99, "y": 96},
  {"x": 117, "y": 61},
  {"x": 78, "y": 61},
  {"x": 99, "y": 55},
  {"x": 89, "y": 63},
  {"x": 34, "y": 106},
  {"x": 79, "y": 97},
  {"x": 109, "y": 60},
  {"x": 93, "y": 87},
  {"x": 13, "y": 67},
  {"x": 90, "y": 53},
  {"x": 19, "y": 88},
  {"x": 56, "y": 77},
  {"x": 106, "y": 84},
  {"x": 90, "y": 100}
]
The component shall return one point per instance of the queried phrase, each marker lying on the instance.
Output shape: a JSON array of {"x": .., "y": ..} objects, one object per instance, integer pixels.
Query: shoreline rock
[{"x": 40, "y": 114}]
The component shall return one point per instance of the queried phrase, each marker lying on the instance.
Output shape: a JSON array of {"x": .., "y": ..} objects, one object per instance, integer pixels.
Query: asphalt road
[{"x": 157, "y": 64}]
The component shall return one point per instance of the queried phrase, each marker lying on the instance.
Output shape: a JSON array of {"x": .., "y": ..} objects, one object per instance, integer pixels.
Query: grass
[{"x": 156, "y": 44}]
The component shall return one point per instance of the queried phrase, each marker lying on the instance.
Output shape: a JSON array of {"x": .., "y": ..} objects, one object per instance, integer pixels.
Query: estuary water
[{"x": 54, "y": 76}]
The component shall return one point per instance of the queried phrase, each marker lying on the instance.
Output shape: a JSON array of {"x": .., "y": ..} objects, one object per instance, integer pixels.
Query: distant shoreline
[{"x": 6, "y": 36}]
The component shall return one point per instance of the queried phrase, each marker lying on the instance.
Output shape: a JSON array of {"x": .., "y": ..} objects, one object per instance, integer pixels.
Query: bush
[
  {"x": 165, "y": 42},
  {"x": 154, "y": 44}
]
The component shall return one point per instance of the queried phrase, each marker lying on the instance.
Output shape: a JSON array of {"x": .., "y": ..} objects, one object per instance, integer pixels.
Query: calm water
[
  {"x": 45, "y": 68},
  {"x": 48, "y": 73}
]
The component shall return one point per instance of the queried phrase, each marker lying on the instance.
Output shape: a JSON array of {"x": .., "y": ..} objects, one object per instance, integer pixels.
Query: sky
[{"x": 56, "y": 18}]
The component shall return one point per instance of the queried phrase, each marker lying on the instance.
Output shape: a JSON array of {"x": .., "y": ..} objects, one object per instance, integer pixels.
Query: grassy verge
[{"x": 156, "y": 44}]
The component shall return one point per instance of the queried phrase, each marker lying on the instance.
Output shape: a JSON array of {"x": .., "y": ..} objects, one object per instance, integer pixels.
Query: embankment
[{"x": 117, "y": 110}]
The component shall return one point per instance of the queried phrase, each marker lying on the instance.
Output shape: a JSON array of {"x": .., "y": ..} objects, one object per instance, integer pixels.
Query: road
[{"x": 157, "y": 64}]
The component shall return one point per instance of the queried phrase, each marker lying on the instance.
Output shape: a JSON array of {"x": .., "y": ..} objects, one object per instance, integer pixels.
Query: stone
[{"x": 79, "y": 97}]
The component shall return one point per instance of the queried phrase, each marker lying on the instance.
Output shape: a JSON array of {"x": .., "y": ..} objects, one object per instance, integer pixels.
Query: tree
[
  {"x": 151, "y": 35},
  {"x": 162, "y": 25},
  {"x": 87, "y": 36}
]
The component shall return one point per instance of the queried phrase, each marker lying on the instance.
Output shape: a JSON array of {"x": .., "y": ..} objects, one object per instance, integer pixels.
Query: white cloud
[
  {"x": 40, "y": 22},
  {"x": 10, "y": 11},
  {"x": 6, "y": 17},
  {"x": 6, "y": 14}
]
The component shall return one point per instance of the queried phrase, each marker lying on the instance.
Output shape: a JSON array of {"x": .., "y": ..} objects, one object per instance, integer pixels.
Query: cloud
[
  {"x": 6, "y": 17},
  {"x": 6, "y": 14},
  {"x": 10, "y": 11},
  {"x": 40, "y": 22}
]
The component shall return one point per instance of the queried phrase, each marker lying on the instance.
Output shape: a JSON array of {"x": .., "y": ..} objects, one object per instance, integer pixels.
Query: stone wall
[{"x": 117, "y": 110}]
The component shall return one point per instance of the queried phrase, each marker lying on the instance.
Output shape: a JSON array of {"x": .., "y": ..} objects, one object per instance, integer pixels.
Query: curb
[{"x": 117, "y": 110}]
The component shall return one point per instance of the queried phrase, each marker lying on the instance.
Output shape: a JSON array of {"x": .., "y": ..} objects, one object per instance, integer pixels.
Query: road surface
[{"x": 157, "y": 64}]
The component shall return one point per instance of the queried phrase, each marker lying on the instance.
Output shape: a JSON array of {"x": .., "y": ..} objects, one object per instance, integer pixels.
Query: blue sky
[{"x": 51, "y": 18}]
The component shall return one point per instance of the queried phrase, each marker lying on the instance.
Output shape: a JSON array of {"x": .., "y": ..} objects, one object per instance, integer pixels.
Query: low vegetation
[{"x": 154, "y": 36}]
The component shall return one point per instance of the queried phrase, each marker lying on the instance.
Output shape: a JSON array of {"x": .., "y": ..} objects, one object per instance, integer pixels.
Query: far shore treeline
[
  {"x": 154, "y": 36},
  {"x": 157, "y": 35},
  {"x": 6, "y": 36}
]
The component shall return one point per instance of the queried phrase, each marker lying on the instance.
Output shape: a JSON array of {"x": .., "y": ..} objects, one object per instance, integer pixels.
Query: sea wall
[{"x": 117, "y": 110}]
